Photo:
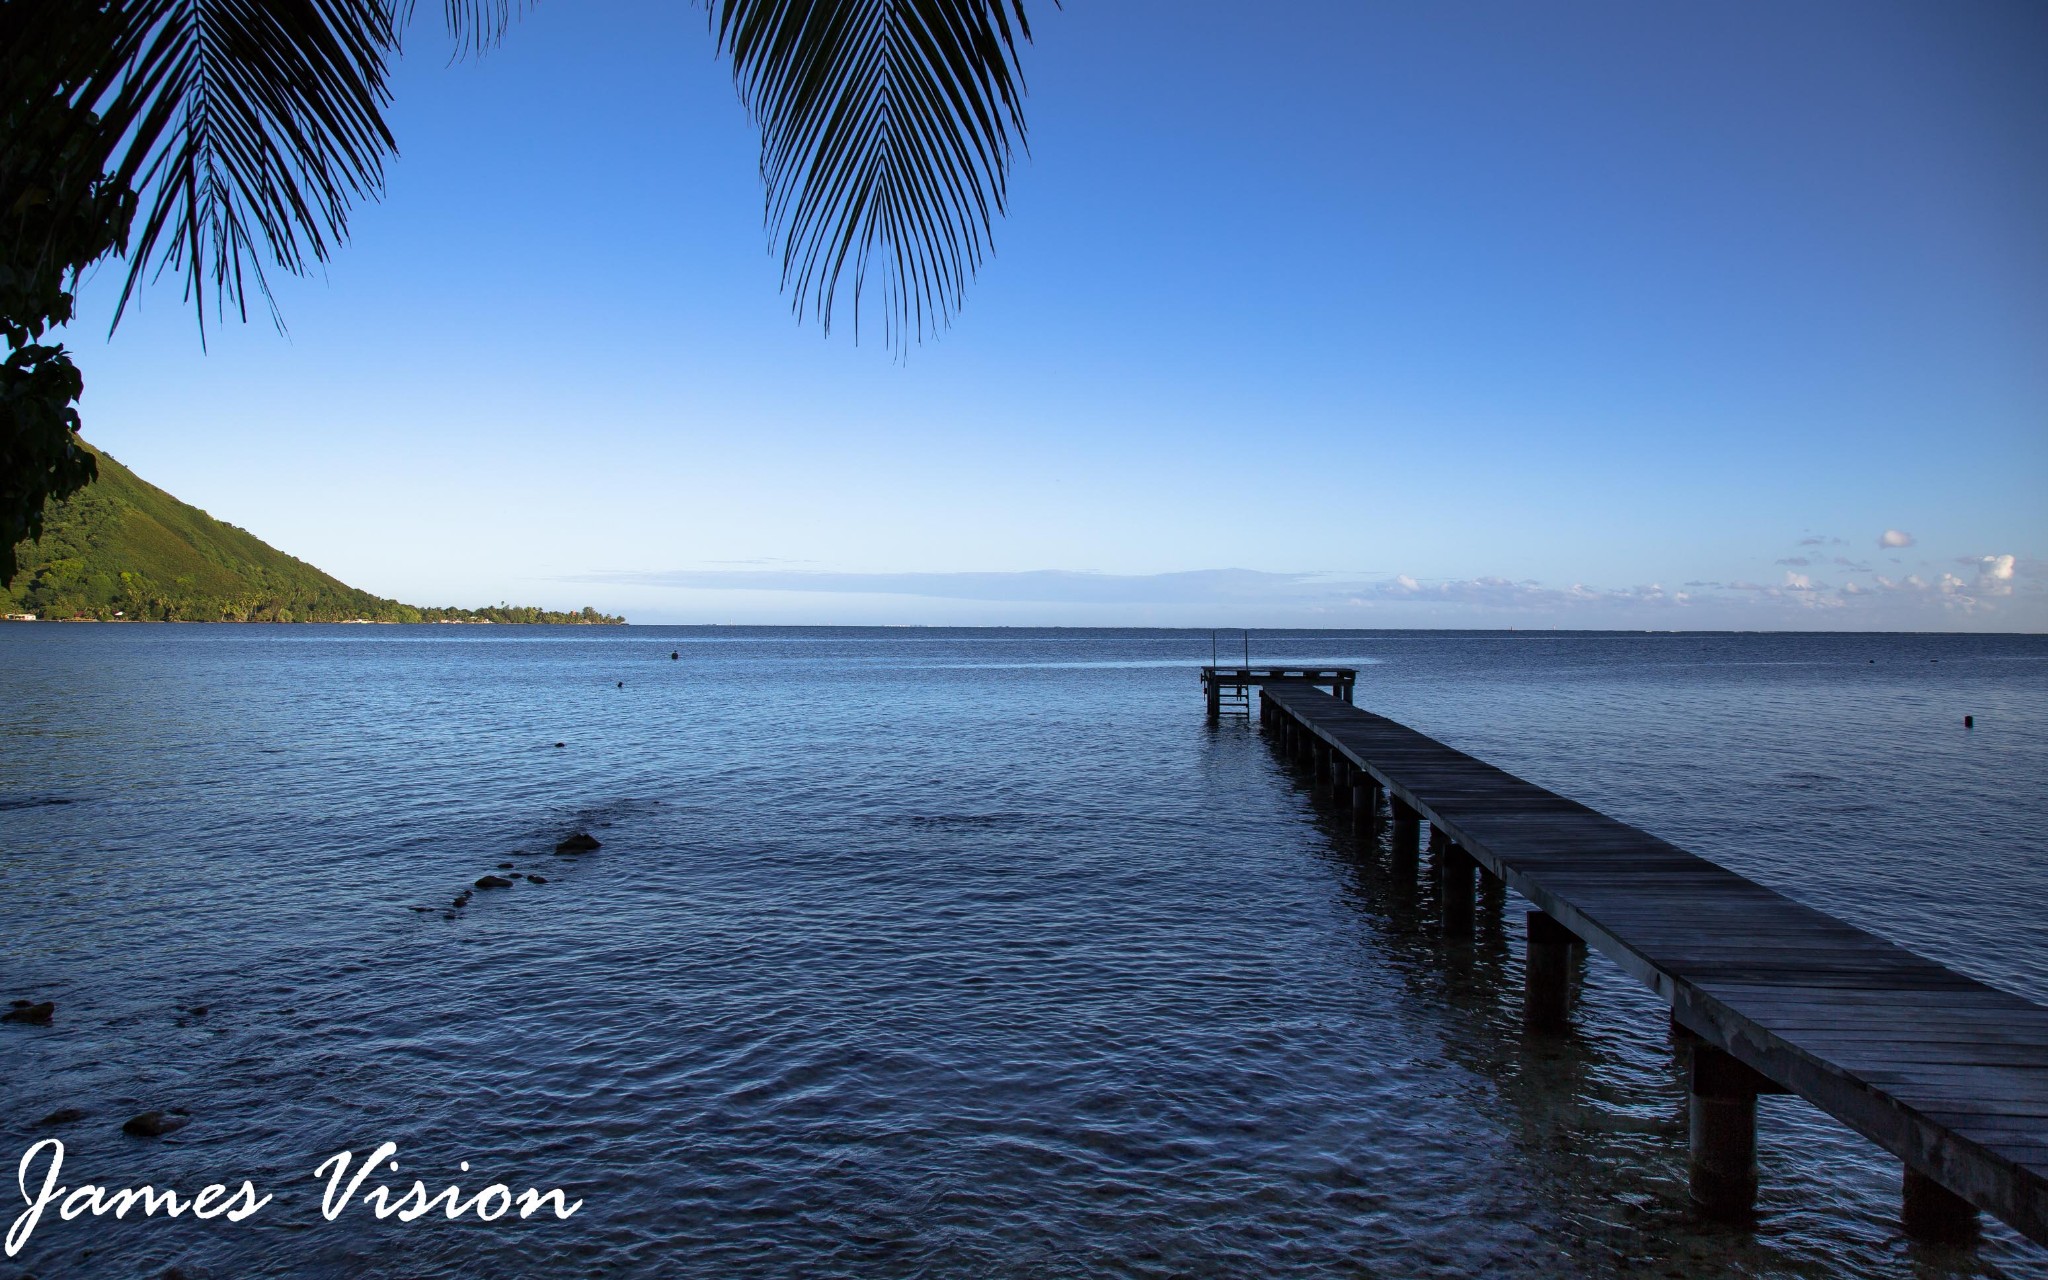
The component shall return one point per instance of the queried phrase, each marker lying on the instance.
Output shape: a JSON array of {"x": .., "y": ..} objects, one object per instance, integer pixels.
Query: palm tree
[{"x": 214, "y": 139}]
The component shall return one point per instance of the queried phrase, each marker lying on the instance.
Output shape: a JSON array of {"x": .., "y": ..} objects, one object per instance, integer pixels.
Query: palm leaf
[
  {"x": 476, "y": 25},
  {"x": 249, "y": 127},
  {"x": 886, "y": 141}
]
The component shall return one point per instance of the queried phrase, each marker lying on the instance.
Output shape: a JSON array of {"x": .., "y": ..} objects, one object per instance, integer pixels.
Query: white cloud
[
  {"x": 1994, "y": 575},
  {"x": 1895, "y": 538},
  {"x": 1980, "y": 590}
]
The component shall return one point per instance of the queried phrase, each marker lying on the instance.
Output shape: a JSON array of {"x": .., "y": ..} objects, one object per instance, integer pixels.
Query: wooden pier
[
  {"x": 1229, "y": 688},
  {"x": 1946, "y": 1073}
]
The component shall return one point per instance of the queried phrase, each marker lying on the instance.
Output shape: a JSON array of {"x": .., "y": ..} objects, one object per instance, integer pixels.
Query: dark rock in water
[
  {"x": 64, "y": 1116},
  {"x": 494, "y": 882},
  {"x": 36, "y": 1015},
  {"x": 581, "y": 842},
  {"x": 155, "y": 1124},
  {"x": 19, "y": 1004},
  {"x": 561, "y": 744},
  {"x": 504, "y": 866},
  {"x": 534, "y": 879},
  {"x": 447, "y": 915},
  {"x": 461, "y": 899},
  {"x": 197, "y": 1011}
]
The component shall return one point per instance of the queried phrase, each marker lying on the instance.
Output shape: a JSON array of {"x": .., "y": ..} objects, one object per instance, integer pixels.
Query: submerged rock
[
  {"x": 155, "y": 1124},
  {"x": 494, "y": 882},
  {"x": 35, "y": 1015},
  {"x": 64, "y": 1115},
  {"x": 581, "y": 842},
  {"x": 534, "y": 879},
  {"x": 504, "y": 866}
]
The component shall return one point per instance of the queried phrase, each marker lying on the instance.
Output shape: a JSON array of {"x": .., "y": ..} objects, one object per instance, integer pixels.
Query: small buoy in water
[
  {"x": 622, "y": 684},
  {"x": 561, "y": 744},
  {"x": 1969, "y": 722},
  {"x": 675, "y": 655}
]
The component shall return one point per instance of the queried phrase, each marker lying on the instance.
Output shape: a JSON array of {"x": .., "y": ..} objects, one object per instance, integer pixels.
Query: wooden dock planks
[{"x": 1945, "y": 1072}]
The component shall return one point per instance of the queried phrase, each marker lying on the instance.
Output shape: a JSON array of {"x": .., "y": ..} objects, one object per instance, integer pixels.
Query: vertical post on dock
[
  {"x": 1721, "y": 1112},
  {"x": 1458, "y": 867},
  {"x": 1215, "y": 695},
  {"x": 1930, "y": 1211},
  {"x": 1493, "y": 897},
  {"x": 1546, "y": 975},
  {"x": 1407, "y": 832}
]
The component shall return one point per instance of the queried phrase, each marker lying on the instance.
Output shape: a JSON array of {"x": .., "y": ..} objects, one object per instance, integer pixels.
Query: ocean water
[{"x": 935, "y": 953}]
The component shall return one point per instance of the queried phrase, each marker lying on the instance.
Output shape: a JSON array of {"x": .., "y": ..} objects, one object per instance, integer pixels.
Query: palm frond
[
  {"x": 249, "y": 128},
  {"x": 476, "y": 25},
  {"x": 886, "y": 140}
]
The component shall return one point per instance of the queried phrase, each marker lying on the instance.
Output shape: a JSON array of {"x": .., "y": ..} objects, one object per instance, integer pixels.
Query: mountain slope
[{"x": 122, "y": 547}]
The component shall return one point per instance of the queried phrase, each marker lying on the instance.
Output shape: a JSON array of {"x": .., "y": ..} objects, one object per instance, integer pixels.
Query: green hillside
[{"x": 123, "y": 548}]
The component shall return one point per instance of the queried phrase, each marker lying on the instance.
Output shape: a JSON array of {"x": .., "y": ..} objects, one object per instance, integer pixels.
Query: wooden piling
[
  {"x": 1930, "y": 1211},
  {"x": 1407, "y": 832},
  {"x": 1546, "y": 975},
  {"x": 1455, "y": 891},
  {"x": 1721, "y": 1114},
  {"x": 1493, "y": 897}
]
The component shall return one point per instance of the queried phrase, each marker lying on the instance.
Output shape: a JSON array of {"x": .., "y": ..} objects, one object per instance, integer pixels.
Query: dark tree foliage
[{"x": 58, "y": 213}]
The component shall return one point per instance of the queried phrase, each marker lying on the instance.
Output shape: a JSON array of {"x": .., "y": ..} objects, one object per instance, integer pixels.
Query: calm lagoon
[{"x": 935, "y": 952}]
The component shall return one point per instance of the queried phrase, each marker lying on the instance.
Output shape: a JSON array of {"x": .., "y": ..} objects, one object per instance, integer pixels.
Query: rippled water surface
[{"x": 936, "y": 953}]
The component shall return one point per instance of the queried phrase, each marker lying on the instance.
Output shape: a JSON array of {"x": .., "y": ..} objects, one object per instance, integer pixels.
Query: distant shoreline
[{"x": 332, "y": 622}]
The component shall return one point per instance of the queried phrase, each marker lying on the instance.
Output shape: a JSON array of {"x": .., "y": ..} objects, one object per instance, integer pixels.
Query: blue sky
[{"x": 1325, "y": 313}]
